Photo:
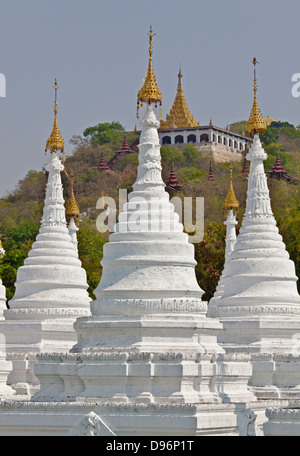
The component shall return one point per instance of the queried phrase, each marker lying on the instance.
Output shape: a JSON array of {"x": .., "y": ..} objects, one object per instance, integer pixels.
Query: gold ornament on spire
[
  {"x": 256, "y": 123},
  {"x": 149, "y": 92},
  {"x": 180, "y": 115},
  {"x": 72, "y": 209},
  {"x": 55, "y": 141},
  {"x": 231, "y": 202}
]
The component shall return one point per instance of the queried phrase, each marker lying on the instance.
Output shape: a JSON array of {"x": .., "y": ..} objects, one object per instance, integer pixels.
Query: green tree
[
  {"x": 210, "y": 257},
  {"x": 105, "y": 133},
  {"x": 90, "y": 250},
  {"x": 191, "y": 154},
  {"x": 170, "y": 153},
  {"x": 269, "y": 136},
  {"x": 238, "y": 127}
]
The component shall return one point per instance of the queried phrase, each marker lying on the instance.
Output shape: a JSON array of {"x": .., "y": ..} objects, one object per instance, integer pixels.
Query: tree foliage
[{"x": 105, "y": 133}]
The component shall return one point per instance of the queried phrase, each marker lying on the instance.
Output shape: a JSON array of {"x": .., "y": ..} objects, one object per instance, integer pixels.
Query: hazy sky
[{"x": 98, "y": 51}]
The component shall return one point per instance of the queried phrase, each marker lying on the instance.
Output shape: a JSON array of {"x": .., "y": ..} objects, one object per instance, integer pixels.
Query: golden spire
[
  {"x": 231, "y": 202},
  {"x": 149, "y": 92},
  {"x": 55, "y": 141},
  {"x": 256, "y": 122},
  {"x": 72, "y": 209},
  {"x": 180, "y": 115}
]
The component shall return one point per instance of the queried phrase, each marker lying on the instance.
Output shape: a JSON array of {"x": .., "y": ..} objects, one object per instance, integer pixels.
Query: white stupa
[
  {"x": 147, "y": 360},
  {"x": 72, "y": 212},
  {"x": 5, "y": 365},
  {"x": 231, "y": 205},
  {"x": 260, "y": 305},
  {"x": 51, "y": 287}
]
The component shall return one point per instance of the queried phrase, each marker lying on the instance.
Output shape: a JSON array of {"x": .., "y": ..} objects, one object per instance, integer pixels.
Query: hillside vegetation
[{"x": 21, "y": 210}]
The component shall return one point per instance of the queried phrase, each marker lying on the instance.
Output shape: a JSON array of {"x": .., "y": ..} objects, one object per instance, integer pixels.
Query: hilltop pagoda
[
  {"x": 180, "y": 115},
  {"x": 102, "y": 165},
  {"x": 173, "y": 183},
  {"x": 121, "y": 153},
  {"x": 278, "y": 171},
  {"x": 180, "y": 128}
]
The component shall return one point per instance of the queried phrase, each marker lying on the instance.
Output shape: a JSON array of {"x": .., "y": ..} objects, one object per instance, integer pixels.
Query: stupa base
[
  {"x": 5, "y": 369},
  {"x": 25, "y": 339},
  {"x": 28, "y": 418},
  {"x": 283, "y": 422},
  {"x": 273, "y": 345},
  {"x": 134, "y": 377}
]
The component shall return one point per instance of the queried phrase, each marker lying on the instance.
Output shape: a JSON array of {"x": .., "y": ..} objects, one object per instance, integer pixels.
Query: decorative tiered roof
[
  {"x": 256, "y": 123},
  {"x": 180, "y": 115},
  {"x": 211, "y": 177},
  {"x": 55, "y": 142},
  {"x": 173, "y": 183},
  {"x": 278, "y": 171},
  {"x": 125, "y": 150},
  {"x": 231, "y": 203},
  {"x": 149, "y": 92},
  {"x": 102, "y": 165},
  {"x": 72, "y": 209}
]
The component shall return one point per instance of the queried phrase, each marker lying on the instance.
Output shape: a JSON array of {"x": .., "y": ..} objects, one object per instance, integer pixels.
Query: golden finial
[
  {"x": 149, "y": 92},
  {"x": 256, "y": 123},
  {"x": 231, "y": 202},
  {"x": 72, "y": 209},
  {"x": 55, "y": 141}
]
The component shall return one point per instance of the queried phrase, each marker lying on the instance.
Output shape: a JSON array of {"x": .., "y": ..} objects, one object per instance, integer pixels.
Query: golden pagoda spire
[
  {"x": 149, "y": 91},
  {"x": 256, "y": 122},
  {"x": 72, "y": 209},
  {"x": 55, "y": 141},
  {"x": 180, "y": 115},
  {"x": 231, "y": 202}
]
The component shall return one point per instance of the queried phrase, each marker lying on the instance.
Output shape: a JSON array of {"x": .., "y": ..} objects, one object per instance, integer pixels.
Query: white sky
[{"x": 98, "y": 51}]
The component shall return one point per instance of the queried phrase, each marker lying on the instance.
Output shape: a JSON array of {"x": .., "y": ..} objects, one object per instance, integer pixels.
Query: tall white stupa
[
  {"x": 260, "y": 305},
  {"x": 51, "y": 287}
]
